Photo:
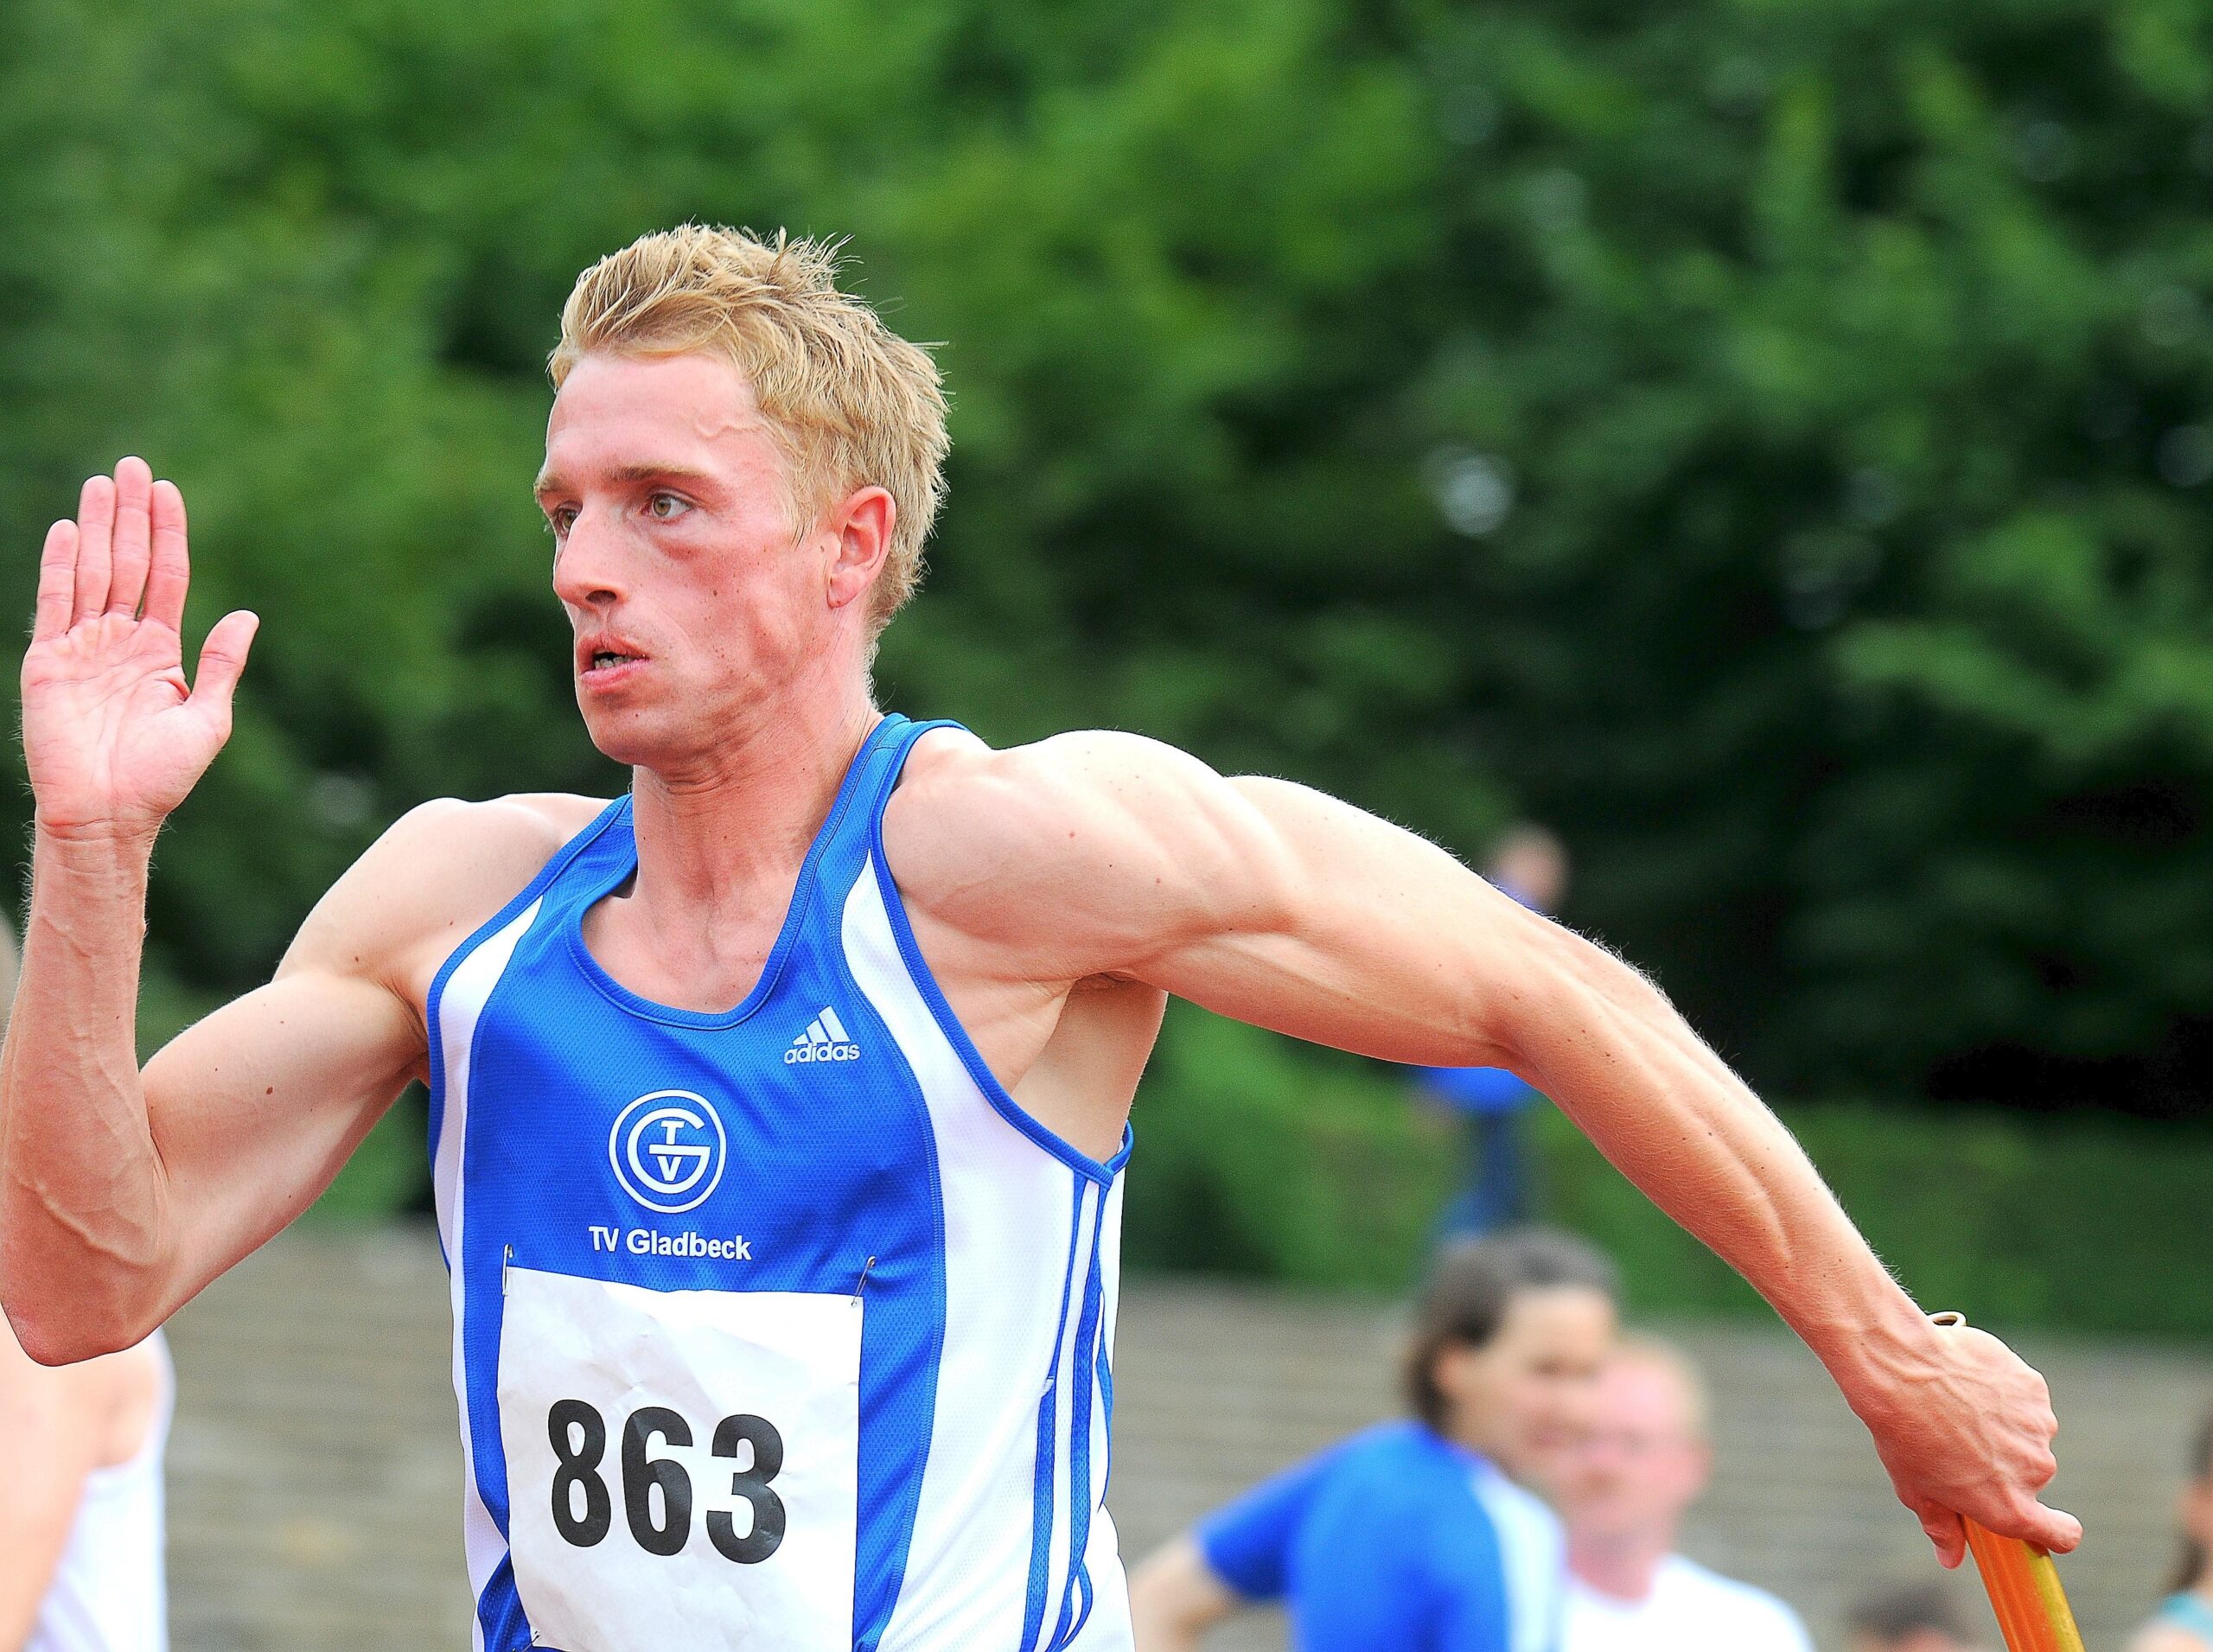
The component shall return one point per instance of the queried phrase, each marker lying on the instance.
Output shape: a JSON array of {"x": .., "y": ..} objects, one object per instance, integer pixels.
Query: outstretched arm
[{"x": 1279, "y": 906}]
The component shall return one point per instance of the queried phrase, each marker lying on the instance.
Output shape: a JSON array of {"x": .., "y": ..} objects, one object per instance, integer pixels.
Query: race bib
[{"x": 681, "y": 1464}]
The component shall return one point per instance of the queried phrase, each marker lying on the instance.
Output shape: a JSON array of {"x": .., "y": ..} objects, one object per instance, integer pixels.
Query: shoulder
[
  {"x": 1394, "y": 1448},
  {"x": 435, "y": 877},
  {"x": 1403, "y": 1467},
  {"x": 1062, "y": 782},
  {"x": 1377, "y": 1467},
  {"x": 1110, "y": 832},
  {"x": 1707, "y": 1596},
  {"x": 2162, "y": 1634}
]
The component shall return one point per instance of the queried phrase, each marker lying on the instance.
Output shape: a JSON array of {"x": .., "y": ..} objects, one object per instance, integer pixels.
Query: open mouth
[{"x": 604, "y": 662}]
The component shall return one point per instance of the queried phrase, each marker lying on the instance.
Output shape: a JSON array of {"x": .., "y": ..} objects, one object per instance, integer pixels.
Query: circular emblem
[{"x": 667, "y": 1150}]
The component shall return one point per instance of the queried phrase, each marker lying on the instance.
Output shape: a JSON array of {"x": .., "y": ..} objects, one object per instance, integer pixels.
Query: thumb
[
  {"x": 222, "y": 659},
  {"x": 2056, "y": 1530}
]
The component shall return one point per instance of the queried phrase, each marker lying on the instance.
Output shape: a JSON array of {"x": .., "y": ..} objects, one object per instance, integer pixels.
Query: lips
[{"x": 602, "y": 658}]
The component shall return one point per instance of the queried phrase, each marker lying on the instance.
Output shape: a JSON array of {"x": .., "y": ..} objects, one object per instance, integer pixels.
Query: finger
[
  {"x": 222, "y": 659},
  {"x": 57, "y": 582},
  {"x": 95, "y": 530},
  {"x": 134, "y": 485},
  {"x": 1945, "y": 1530},
  {"x": 2055, "y": 1529},
  {"x": 169, "y": 572}
]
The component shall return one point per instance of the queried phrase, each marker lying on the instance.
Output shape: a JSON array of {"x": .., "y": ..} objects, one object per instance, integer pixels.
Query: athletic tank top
[
  {"x": 107, "y": 1593},
  {"x": 782, "y": 1329}
]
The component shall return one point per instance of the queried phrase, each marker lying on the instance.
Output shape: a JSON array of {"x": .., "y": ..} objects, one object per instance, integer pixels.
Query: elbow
[
  {"x": 1175, "y": 1598},
  {"x": 71, "y": 1338},
  {"x": 66, "y": 1325},
  {"x": 1571, "y": 993}
]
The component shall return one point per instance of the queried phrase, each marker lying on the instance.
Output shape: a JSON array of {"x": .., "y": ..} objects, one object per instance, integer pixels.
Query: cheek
[
  {"x": 1534, "y": 1399},
  {"x": 2198, "y": 1516}
]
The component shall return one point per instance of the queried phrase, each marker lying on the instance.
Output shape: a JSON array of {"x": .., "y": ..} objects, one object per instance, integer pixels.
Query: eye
[
  {"x": 560, "y": 519},
  {"x": 665, "y": 507}
]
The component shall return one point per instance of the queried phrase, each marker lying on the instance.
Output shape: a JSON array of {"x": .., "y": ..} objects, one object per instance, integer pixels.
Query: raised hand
[{"x": 114, "y": 737}]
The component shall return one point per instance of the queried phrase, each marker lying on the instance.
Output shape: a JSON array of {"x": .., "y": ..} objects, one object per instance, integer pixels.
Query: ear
[
  {"x": 861, "y": 523},
  {"x": 2194, "y": 1510}
]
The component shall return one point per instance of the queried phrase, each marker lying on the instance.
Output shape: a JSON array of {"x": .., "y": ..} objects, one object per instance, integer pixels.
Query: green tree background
[{"x": 1770, "y": 442}]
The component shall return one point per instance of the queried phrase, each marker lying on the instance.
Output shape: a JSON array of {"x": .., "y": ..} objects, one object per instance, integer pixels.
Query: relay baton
[{"x": 2022, "y": 1582}]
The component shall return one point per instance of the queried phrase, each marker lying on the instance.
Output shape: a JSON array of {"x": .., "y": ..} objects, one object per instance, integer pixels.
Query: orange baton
[
  {"x": 2022, "y": 1582},
  {"x": 2025, "y": 1593}
]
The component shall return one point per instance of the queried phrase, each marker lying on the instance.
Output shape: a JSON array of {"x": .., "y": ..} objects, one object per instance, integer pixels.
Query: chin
[{"x": 623, "y": 739}]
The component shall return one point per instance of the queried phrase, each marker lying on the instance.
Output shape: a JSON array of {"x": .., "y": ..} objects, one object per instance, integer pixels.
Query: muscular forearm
[
  {"x": 1669, "y": 1112},
  {"x": 82, "y": 1191}
]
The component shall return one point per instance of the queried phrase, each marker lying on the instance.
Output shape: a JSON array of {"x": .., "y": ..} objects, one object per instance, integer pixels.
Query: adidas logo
[{"x": 825, "y": 1040}]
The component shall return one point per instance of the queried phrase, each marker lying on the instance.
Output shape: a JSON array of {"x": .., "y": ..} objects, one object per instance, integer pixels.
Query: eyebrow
[{"x": 550, "y": 483}]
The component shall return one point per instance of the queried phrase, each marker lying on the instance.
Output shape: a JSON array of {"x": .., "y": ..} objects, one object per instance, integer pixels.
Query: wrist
[
  {"x": 103, "y": 838},
  {"x": 106, "y": 852},
  {"x": 1879, "y": 1354}
]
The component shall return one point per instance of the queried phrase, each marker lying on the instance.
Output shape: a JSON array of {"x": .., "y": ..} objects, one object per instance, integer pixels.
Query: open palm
[{"x": 114, "y": 736}]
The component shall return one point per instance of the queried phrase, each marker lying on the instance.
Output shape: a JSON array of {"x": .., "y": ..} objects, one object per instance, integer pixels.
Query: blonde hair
[{"x": 853, "y": 404}]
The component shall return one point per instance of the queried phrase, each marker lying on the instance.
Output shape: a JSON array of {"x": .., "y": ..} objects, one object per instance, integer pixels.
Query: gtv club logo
[{"x": 668, "y": 1151}]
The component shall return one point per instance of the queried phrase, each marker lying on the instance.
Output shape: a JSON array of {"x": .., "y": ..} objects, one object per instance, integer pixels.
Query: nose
[{"x": 587, "y": 572}]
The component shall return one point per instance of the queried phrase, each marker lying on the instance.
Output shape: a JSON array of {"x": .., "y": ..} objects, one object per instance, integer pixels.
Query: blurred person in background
[
  {"x": 1624, "y": 1491},
  {"x": 1530, "y": 865},
  {"x": 2184, "y": 1620},
  {"x": 1916, "y": 1617},
  {"x": 81, "y": 1496},
  {"x": 1410, "y": 1536}
]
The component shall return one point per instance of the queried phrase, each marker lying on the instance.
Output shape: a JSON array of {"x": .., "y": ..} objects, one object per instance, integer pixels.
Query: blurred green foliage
[
  {"x": 1770, "y": 442},
  {"x": 1251, "y": 1162}
]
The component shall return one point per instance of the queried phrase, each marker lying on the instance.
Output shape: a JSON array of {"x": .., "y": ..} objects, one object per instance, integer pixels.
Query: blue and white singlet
[{"x": 783, "y": 1330}]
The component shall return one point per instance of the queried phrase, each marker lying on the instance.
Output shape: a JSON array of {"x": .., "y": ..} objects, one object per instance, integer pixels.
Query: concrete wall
[{"x": 315, "y": 1483}]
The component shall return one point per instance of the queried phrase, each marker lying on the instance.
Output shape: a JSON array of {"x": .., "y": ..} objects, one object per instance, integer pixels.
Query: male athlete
[{"x": 779, "y": 1107}]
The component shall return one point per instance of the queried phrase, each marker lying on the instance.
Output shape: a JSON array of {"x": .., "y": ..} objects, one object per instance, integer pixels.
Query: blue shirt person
[
  {"x": 2184, "y": 1621},
  {"x": 1530, "y": 865},
  {"x": 1395, "y": 1539},
  {"x": 1410, "y": 1536}
]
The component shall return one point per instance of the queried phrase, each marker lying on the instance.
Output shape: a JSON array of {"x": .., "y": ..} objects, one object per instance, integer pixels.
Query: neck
[
  {"x": 1620, "y": 1567},
  {"x": 1465, "y": 1427},
  {"x": 713, "y": 832}
]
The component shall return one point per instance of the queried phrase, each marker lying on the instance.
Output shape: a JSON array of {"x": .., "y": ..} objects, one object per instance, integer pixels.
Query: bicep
[
  {"x": 254, "y": 1109},
  {"x": 49, "y": 1439},
  {"x": 1354, "y": 933},
  {"x": 1262, "y": 900},
  {"x": 1248, "y": 1544}
]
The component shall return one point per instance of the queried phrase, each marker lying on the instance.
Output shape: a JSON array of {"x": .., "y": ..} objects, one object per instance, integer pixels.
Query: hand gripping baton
[{"x": 2022, "y": 1582}]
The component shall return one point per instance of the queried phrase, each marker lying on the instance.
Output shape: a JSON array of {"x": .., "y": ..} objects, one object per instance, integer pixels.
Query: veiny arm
[
  {"x": 121, "y": 1195},
  {"x": 1104, "y": 854}
]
